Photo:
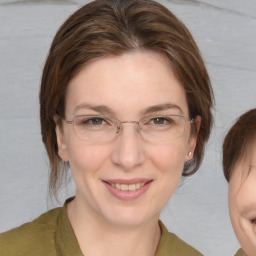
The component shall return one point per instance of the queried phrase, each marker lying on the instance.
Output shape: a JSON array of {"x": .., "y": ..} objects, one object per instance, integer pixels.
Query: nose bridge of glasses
[{"x": 127, "y": 122}]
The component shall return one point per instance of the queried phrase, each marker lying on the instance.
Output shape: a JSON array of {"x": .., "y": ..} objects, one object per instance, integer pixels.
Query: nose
[{"x": 128, "y": 150}]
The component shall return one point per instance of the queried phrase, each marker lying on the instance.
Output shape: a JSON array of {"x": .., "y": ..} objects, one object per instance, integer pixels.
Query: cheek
[
  {"x": 242, "y": 197},
  {"x": 233, "y": 207},
  {"x": 85, "y": 159},
  {"x": 242, "y": 207},
  {"x": 168, "y": 157},
  {"x": 235, "y": 194},
  {"x": 168, "y": 160}
]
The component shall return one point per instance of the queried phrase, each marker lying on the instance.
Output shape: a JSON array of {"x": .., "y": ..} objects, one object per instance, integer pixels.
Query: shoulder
[
  {"x": 170, "y": 244},
  {"x": 182, "y": 247},
  {"x": 240, "y": 252},
  {"x": 36, "y": 237}
]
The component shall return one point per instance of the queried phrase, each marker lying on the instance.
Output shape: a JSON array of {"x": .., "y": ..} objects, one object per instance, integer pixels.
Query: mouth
[{"x": 128, "y": 189}]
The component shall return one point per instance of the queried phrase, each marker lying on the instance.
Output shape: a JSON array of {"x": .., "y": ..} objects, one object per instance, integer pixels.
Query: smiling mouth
[
  {"x": 127, "y": 187},
  {"x": 131, "y": 185}
]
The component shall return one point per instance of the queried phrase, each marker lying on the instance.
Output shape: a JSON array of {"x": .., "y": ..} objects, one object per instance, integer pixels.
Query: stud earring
[{"x": 189, "y": 153}]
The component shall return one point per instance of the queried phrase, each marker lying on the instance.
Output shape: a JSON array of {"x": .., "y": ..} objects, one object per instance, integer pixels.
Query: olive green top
[
  {"x": 51, "y": 234},
  {"x": 240, "y": 252}
]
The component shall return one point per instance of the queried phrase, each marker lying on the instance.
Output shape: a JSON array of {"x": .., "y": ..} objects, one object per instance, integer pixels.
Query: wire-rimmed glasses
[{"x": 104, "y": 128}]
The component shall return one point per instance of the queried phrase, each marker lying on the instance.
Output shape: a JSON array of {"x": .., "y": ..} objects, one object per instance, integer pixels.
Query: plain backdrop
[{"x": 226, "y": 34}]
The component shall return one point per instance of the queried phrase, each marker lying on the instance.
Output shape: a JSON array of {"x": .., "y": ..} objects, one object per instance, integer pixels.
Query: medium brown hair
[
  {"x": 114, "y": 27},
  {"x": 237, "y": 141}
]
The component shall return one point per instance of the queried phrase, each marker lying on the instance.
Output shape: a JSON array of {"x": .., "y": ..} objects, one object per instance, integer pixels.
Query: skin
[
  {"x": 127, "y": 85},
  {"x": 242, "y": 201}
]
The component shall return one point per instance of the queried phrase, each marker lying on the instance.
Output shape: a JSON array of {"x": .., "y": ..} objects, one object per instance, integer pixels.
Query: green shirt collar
[{"x": 66, "y": 243}]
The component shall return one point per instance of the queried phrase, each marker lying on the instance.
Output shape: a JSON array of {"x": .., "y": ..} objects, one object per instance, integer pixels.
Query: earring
[{"x": 189, "y": 153}]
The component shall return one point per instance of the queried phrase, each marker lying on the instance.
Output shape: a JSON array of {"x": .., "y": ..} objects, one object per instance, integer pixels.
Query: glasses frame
[{"x": 118, "y": 127}]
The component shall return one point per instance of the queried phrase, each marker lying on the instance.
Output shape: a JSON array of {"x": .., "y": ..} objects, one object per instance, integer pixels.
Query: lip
[
  {"x": 127, "y": 181},
  {"x": 127, "y": 195}
]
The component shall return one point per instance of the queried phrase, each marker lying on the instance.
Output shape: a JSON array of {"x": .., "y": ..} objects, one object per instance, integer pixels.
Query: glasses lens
[
  {"x": 162, "y": 128},
  {"x": 103, "y": 129},
  {"x": 94, "y": 128}
]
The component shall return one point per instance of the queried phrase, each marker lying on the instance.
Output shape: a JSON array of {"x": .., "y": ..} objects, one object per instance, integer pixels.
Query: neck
[{"x": 98, "y": 237}]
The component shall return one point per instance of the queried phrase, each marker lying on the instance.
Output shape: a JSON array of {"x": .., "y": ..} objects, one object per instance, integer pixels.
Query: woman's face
[
  {"x": 125, "y": 87},
  {"x": 242, "y": 201}
]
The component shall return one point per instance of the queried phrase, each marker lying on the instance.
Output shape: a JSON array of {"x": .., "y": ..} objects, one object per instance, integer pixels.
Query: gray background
[{"x": 226, "y": 34}]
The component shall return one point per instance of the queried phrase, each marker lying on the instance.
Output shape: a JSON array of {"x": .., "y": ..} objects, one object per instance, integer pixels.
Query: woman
[
  {"x": 239, "y": 164},
  {"x": 126, "y": 105}
]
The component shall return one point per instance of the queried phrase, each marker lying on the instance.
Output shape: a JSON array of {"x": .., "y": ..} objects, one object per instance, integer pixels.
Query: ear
[
  {"x": 62, "y": 148},
  {"x": 193, "y": 139}
]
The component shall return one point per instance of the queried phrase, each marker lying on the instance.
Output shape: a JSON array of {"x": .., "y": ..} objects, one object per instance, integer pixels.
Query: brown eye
[
  {"x": 96, "y": 121},
  {"x": 160, "y": 121},
  {"x": 92, "y": 121}
]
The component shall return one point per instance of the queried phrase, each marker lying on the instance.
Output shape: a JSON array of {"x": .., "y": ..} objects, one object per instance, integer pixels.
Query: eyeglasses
[{"x": 103, "y": 128}]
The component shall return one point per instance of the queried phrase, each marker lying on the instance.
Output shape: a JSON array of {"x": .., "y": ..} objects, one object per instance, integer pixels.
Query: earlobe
[
  {"x": 62, "y": 149},
  {"x": 189, "y": 156}
]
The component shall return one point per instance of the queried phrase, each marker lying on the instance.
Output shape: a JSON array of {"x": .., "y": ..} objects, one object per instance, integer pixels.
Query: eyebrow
[
  {"x": 161, "y": 107},
  {"x": 99, "y": 108},
  {"x": 103, "y": 109}
]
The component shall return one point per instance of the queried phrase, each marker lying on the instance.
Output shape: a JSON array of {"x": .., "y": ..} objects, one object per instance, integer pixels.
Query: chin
[{"x": 130, "y": 217}]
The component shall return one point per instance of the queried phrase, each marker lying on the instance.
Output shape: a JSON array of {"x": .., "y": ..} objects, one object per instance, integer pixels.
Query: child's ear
[{"x": 62, "y": 148}]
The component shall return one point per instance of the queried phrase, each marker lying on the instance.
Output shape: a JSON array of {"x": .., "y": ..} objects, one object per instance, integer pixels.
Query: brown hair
[
  {"x": 113, "y": 27},
  {"x": 237, "y": 141}
]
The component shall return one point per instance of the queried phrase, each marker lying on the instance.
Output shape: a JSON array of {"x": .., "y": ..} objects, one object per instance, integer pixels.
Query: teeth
[
  {"x": 126, "y": 187},
  {"x": 132, "y": 187},
  {"x": 137, "y": 185}
]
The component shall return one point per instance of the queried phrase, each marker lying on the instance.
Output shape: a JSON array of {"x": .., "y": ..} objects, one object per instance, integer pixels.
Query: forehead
[
  {"x": 132, "y": 81},
  {"x": 249, "y": 152},
  {"x": 246, "y": 162}
]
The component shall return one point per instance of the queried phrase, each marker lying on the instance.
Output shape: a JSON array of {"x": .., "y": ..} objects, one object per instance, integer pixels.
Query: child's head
[{"x": 239, "y": 164}]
